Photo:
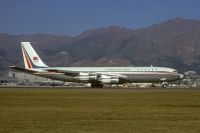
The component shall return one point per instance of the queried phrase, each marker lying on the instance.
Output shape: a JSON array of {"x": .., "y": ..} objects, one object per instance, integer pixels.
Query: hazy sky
[{"x": 70, "y": 17}]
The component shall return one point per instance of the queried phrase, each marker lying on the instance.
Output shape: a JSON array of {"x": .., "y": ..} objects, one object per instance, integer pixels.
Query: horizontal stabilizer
[{"x": 22, "y": 70}]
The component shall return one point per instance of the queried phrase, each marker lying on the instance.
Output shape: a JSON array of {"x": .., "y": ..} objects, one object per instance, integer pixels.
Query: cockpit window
[{"x": 175, "y": 71}]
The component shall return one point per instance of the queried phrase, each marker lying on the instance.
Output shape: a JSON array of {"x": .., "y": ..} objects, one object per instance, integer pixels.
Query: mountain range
[{"x": 174, "y": 43}]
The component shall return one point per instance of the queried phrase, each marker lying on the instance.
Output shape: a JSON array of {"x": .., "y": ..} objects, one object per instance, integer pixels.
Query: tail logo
[{"x": 35, "y": 59}]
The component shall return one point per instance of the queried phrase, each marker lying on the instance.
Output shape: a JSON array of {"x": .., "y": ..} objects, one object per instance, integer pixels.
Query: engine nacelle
[
  {"x": 108, "y": 79},
  {"x": 105, "y": 79},
  {"x": 86, "y": 77},
  {"x": 87, "y": 74},
  {"x": 83, "y": 74}
]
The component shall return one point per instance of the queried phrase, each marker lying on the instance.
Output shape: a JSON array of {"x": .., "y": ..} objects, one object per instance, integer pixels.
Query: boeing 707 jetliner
[{"x": 97, "y": 76}]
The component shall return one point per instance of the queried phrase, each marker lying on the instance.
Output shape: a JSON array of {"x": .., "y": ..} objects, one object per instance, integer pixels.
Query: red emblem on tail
[{"x": 35, "y": 58}]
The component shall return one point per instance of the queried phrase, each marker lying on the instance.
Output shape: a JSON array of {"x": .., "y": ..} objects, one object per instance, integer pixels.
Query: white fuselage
[{"x": 125, "y": 74}]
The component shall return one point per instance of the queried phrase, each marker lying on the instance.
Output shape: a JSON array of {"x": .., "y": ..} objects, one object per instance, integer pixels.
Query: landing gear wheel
[{"x": 94, "y": 85}]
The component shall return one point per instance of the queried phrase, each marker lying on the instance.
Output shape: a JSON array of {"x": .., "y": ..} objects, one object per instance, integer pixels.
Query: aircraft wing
[
  {"x": 69, "y": 73},
  {"x": 66, "y": 72},
  {"x": 76, "y": 73}
]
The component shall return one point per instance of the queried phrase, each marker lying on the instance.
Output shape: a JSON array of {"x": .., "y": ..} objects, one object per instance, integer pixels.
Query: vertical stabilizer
[{"x": 31, "y": 58}]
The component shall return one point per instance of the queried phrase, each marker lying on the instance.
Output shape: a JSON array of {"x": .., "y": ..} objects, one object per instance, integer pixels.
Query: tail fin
[{"x": 31, "y": 58}]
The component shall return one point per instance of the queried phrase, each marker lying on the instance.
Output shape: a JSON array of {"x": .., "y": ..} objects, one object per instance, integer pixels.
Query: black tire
[{"x": 95, "y": 85}]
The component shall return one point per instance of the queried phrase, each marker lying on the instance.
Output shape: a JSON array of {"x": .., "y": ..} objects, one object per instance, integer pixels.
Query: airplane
[{"x": 97, "y": 76}]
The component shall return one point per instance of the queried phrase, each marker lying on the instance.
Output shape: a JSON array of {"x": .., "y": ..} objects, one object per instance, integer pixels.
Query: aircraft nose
[{"x": 181, "y": 76}]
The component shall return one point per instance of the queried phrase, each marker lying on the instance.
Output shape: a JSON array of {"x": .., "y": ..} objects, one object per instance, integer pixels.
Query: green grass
[{"x": 99, "y": 111}]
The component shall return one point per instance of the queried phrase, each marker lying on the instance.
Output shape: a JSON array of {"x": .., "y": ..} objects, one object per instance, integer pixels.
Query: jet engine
[
  {"x": 105, "y": 79},
  {"x": 86, "y": 76}
]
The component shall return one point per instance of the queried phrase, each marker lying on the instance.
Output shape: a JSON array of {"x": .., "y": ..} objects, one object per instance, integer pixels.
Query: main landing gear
[{"x": 96, "y": 85}]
